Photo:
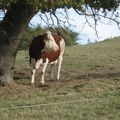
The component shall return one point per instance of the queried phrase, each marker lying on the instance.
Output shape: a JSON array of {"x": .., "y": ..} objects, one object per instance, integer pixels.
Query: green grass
[{"x": 89, "y": 88}]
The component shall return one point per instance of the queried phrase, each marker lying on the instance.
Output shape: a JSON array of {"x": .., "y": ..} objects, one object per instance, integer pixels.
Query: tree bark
[{"x": 11, "y": 27}]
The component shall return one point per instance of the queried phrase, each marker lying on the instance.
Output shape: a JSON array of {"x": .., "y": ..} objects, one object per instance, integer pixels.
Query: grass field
[{"x": 89, "y": 88}]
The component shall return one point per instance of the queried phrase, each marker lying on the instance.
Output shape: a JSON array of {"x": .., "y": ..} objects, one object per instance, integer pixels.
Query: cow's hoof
[
  {"x": 51, "y": 80},
  {"x": 42, "y": 83},
  {"x": 57, "y": 79},
  {"x": 32, "y": 84}
]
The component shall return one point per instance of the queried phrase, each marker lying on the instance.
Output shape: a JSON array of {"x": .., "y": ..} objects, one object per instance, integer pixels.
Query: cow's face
[{"x": 50, "y": 44}]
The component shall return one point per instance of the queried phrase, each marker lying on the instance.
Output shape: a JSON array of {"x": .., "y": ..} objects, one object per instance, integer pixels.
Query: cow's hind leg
[
  {"x": 44, "y": 66},
  {"x": 53, "y": 70},
  {"x": 60, "y": 59}
]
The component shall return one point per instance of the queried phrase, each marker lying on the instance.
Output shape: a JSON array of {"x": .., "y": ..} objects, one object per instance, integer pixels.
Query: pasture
[{"x": 89, "y": 87}]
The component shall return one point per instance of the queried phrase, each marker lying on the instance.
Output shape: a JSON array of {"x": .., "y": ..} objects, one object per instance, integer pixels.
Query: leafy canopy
[
  {"x": 47, "y": 5},
  {"x": 82, "y": 7}
]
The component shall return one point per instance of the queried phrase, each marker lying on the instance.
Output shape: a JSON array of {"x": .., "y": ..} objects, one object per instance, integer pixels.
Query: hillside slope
[
  {"x": 99, "y": 58},
  {"x": 89, "y": 88}
]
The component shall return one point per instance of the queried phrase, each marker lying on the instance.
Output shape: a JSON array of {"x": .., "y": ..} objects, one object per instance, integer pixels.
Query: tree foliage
[
  {"x": 80, "y": 6},
  {"x": 105, "y": 4},
  {"x": 48, "y": 5}
]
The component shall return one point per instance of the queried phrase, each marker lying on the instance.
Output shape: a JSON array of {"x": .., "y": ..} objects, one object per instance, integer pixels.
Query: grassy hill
[{"x": 89, "y": 88}]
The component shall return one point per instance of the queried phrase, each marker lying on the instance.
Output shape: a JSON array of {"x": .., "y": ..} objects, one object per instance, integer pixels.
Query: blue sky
[{"x": 104, "y": 30}]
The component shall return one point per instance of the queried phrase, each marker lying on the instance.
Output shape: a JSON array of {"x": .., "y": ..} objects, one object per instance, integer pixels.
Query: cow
[{"x": 46, "y": 49}]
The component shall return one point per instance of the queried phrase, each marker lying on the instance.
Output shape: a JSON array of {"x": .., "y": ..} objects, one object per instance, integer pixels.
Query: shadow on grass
[{"x": 98, "y": 75}]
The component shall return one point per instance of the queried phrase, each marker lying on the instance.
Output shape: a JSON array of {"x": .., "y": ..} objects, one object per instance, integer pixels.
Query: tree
[{"x": 18, "y": 14}]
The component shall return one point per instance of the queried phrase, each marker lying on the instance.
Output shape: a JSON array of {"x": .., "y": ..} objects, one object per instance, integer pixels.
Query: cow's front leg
[
  {"x": 60, "y": 59},
  {"x": 44, "y": 66},
  {"x": 33, "y": 76},
  {"x": 33, "y": 70},
  {"x": 34, "y": 66}
]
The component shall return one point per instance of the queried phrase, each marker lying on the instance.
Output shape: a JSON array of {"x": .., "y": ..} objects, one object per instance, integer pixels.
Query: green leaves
[
  {"x": 105, "y": 4},
  {"x": 47, "y": 5}
]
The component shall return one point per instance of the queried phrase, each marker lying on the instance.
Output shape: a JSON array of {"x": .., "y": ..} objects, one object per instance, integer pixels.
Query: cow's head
[{"x": 50, "y": 44}]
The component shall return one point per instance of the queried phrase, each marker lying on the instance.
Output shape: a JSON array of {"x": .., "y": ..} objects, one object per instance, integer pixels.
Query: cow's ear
[
  {"x": 48, "y": 33},
  {"x": 44, "y": 40},
  {"x": 45, "y": 37}
]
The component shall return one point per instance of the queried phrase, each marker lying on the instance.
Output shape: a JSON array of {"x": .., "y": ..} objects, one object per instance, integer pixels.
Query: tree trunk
[{"x": 12, "y": 25}]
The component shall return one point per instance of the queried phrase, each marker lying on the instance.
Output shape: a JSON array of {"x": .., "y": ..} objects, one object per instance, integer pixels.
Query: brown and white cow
[{"x": 46, "y": 49}]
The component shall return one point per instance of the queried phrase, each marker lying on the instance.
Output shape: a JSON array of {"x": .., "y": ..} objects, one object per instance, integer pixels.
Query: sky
[{"x": 86, "y": 33}]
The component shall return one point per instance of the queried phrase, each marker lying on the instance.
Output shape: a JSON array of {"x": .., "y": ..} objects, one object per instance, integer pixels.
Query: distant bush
[{"x": 69, "y": 36}]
